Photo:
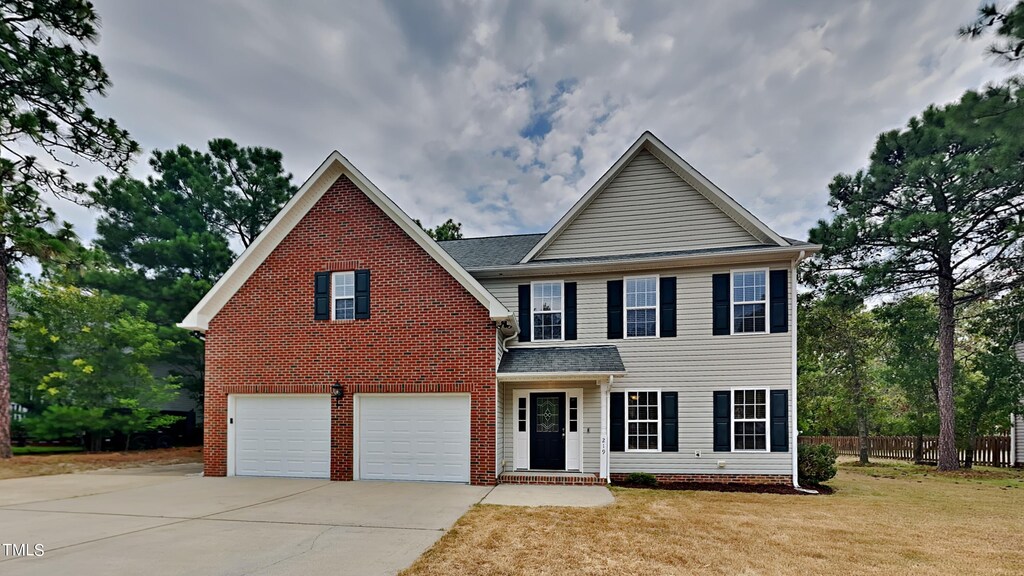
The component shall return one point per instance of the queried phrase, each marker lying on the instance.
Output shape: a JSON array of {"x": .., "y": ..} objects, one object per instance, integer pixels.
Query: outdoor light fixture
[{"x": 337, "y": 391}]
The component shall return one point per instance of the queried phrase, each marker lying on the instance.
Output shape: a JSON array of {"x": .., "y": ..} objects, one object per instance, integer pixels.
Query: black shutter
[
  {"x": 780, "y": 420},
  {"x": 362, "y": 294},
  {"x": 615, "y": 309},
  {"x": 670, "y": 421},
  {"x": 778, "y": 285},
  {"x": 525, "y": 324},
  {"x": 322, "y": 296},
  {"x": 617, "y": 422},
  {"x": 667, "y": 295},
  {"x": 570, "y": 311},
  {"x": 721, "y": 412},
  {"x": 720, "y": 304}
]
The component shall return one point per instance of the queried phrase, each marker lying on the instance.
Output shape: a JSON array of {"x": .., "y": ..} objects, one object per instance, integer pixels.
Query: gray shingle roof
[
  {"x": 490, "y": 251},
  {"x": 597, "y": 359}
]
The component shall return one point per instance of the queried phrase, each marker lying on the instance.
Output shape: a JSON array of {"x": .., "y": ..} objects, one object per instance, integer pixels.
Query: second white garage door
[{"x": 421, "y": 437}]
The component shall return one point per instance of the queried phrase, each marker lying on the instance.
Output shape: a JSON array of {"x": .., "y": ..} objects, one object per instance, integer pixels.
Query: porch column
[{"x": 605, "y": 389}]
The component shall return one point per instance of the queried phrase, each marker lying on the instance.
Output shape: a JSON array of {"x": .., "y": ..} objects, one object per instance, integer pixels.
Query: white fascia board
[
  {"x": 704, "y": 186},
  {"x": 292, "y": 213}
]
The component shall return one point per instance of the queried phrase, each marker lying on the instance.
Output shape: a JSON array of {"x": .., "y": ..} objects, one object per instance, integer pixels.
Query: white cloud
[{"x": 767, "y": 99}]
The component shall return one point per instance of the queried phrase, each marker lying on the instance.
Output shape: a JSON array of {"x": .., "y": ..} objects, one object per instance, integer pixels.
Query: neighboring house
[
  {"x": 18, "y": 412},
  {"x": 652, "y": 329},
  {"x": 1017, "y": 425}
]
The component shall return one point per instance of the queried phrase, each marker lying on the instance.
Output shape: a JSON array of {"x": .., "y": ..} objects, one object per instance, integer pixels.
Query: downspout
[
  {"x": 795, "y": 433},
  {"x": 515, "y": 333}
]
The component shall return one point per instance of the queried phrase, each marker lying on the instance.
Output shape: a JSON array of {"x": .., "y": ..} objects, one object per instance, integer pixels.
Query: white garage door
[
  {"x": 282, "y": 435},
  {"x": 414, "y": 437}
]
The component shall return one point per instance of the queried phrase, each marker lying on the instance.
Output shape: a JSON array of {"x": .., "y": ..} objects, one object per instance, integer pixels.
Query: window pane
[
  {"x": 547, "y": 326},
  {"x": 344, "y": 284},
  {"x": 345, "y": 309}
]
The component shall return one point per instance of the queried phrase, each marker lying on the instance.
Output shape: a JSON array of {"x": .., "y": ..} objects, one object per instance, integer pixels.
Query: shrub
[
  {"x": 816, "y": 463},
  {"x": 642, "y": 479}
]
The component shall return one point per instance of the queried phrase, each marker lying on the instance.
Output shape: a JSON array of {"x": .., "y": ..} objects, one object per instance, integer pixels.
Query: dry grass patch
[
  {"x": 910, "y": 523},
  {"x": 48, "y": 464}
]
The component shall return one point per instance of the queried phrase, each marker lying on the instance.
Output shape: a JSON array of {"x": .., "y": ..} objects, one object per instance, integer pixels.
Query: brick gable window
[{"x": 344, "y": 299}]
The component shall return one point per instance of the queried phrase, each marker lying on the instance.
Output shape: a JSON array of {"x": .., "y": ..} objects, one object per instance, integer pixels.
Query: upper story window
[
  {"x": 642, "y": 307},
  {"x": 547, "y": 311},
  {"x": 749, "y": 302},
  {"x": 344, "y": 295}
]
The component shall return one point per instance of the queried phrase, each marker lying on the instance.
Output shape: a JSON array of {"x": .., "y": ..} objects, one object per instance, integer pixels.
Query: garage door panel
[
  {"x": 281, "y": 435},
  {"x": 414, "y": 437}
]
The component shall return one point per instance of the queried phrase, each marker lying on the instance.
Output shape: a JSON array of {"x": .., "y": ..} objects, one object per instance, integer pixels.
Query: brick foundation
[
  {"x": 425, "y": 334},
  {"x": 716, "y": 478}
]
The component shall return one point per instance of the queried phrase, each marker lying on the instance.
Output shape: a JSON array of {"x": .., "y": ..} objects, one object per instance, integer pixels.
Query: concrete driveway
[{"x": 157, "y": 522}]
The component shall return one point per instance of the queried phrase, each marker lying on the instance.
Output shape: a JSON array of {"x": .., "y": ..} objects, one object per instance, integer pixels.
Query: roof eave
[
  {"x": 522, "y": 376},
  {"x": 542, "y": 267}
]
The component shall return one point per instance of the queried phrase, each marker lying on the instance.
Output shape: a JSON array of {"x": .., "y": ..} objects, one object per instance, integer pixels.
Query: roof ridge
[{"x": 496, "y": 236}]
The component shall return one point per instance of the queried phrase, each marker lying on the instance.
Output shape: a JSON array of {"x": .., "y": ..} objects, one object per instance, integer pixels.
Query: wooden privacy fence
[{"x": 988, "y": 451}]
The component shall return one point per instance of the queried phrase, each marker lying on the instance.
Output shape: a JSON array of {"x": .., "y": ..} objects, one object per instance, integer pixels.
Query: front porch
[
  {"x": 553, "y": 418},
  {"x": 551, "y": 478}
]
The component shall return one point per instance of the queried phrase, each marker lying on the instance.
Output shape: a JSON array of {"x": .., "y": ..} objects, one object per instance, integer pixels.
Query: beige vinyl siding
[
  {"x": 1018, "y": 431},
  {"x": 1018, "y": 425},
  {"x": 647, "y": 208},
  {"x": 589, "y": 420},
  {"x": 695, "y": 364}
]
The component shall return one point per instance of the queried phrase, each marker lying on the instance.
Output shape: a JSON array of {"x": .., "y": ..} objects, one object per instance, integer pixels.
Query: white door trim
[
  {"x": 356, "y": 420},
  {"x": 231, "y": 426},
  {"x": 521, "y": 440}
]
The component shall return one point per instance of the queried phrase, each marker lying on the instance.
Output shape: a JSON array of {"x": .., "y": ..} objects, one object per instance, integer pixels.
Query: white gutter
[
  {"x": 795, "y": 434},
  {"x": 1013, "y": 440}
]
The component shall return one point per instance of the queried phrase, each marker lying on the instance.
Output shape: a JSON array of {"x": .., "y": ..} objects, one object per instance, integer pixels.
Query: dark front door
[{"x": 547, "y": 431}]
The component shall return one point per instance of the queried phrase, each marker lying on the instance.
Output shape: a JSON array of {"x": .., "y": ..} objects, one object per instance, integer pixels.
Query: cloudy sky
[{"x": 502, "y": 114}]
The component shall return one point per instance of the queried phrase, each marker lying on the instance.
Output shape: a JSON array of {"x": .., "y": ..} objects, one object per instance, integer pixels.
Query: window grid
[
  {"x": 344, "y": 295},
  {"x": 750, "y": 419},
  {"x": 573, "y": 414},
  {"x": 522, "y": 414},
  {"x": 642, "y": 421},
  {"x": 547, "y": 310},
  {"x": 642, "y": 307},
  {"x": 749, "y": 302}
]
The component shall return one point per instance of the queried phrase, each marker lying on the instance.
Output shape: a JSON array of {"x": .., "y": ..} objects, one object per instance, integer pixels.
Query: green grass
[{"x": 25, "y": 450}]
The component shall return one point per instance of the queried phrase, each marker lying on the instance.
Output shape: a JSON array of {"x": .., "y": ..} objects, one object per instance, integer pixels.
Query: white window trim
[
  {"x": 733, "y": 303},
  {"x": 626, "y": 308},
  {"x": 767, "y": 418},
  {"x": 625, "y": 419},
  {"x": 561, "y": 311},
  {"x": 335, "y": 298}
]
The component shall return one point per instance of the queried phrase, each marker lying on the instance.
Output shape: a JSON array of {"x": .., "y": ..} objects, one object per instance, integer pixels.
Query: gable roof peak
[
  {"x": 651, "y": 143},
  {"x": 332, "y": 168}
]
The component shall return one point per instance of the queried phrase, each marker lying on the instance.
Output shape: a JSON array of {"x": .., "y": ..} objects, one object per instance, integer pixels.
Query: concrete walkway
[
  {"x": 534, "y": 495},
  {"x": 162, "y": 523}
]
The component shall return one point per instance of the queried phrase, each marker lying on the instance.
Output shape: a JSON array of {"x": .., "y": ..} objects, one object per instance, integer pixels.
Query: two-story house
[{"x": 652, "y": 329}]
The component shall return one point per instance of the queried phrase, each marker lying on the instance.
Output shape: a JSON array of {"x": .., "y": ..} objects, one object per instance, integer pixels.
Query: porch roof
[{"x": 567, "y": 361}]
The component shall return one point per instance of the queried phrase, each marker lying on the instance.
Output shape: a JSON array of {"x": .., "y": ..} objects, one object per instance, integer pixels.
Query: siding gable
[{"x": 645, "y": 208}]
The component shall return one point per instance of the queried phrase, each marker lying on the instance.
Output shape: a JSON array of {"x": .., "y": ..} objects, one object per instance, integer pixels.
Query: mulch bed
[{"x": 723, "y": 487}]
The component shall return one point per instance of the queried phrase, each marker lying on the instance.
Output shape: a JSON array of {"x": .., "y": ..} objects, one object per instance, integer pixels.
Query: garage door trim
[
  {"x": 231, "y": 416},
  {"x": 356, "y": 420}
]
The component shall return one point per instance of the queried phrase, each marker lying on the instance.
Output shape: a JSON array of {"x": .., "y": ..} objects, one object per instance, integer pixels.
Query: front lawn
[
  {"x": 883, "y": 519},
  {"x": 47, "y": 464}
]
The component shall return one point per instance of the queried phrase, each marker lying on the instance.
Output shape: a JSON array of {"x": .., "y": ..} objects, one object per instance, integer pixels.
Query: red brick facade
[{"x": 425, "y": 334}]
